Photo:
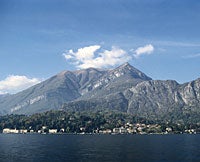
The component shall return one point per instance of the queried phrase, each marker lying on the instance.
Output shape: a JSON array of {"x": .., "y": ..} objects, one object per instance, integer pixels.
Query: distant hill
[{"x": 124, "y": 88}]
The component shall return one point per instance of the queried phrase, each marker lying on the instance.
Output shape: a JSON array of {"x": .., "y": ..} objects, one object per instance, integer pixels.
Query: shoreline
[{"x": 115, "y": 134}]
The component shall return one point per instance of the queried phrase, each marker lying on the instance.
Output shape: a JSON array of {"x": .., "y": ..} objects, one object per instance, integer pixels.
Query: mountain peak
[
  {"x": 125, "y": 64},
  {"x": 126, "y": 68}
]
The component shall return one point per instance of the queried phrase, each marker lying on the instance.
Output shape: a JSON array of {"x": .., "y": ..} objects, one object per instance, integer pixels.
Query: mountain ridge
[
  {"x": 64, "y": 87},
  {"x": 124, "y": 88}
]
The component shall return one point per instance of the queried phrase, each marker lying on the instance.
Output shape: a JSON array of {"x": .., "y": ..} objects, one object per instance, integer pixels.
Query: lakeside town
[
  {"x": 128, "y": 128},
  {"x": 100, "y": 122}
]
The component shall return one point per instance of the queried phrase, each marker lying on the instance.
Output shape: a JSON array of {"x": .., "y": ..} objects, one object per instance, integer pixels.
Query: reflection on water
[{"x": 36, "y": 147}]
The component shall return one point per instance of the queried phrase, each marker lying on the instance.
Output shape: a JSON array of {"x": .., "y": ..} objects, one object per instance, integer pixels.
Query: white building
[
  {"x": 44, "y": 127},
  {"x": 53, "y": 131},
  {"x": 168, "y": 129},
  {"x": 39, "y": 131},
  {"x": 116, "y": 130},
  {"x": 121, "y": 130},
  {"x": 8, "y": 130},
  {"x": 62, "y": 130},
  {"x": 107, "y": 131},
  {"x": 23, "y": 131},
  {"x": 31, "y": 131}
]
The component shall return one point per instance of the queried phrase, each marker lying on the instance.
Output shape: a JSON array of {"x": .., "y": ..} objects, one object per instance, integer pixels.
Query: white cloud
[
  {"x": 67, "y": 56},
  {"x": 192, "y": 56},
  {"x": 176, "y": 44},
  {"x": 146, "y": 50},
  {"x": 15, "y": 83},
  {"x": 90, "y": 57}
]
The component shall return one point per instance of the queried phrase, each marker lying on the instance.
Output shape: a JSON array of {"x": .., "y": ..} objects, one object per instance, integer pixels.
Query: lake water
[{"x": 47, "y": 148}]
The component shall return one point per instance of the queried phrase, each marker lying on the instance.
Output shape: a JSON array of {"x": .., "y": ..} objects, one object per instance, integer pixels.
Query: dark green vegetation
[{"x": 72, "y": 122}]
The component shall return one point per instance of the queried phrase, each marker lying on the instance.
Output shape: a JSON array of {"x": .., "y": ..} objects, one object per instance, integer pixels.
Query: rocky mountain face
[
  {"x": 124, "y": 89},
  {"x": 153, "y": 99},
  {"x": 68, "y": 86}
]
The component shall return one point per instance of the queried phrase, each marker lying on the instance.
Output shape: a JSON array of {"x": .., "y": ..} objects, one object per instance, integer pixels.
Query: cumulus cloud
[
  {"x": 15, "y": 83},
  {"x": 145, "y": 50},
  {"x": 91, "y": 56}
]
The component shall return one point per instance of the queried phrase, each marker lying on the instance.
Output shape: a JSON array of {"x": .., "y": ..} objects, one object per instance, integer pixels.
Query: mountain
[
  {"x": 152, "y": 99},
  {"x": 68, "y": 86},
  {"x": 4, "y": 95},
  {"x": 124, "y": 89}
]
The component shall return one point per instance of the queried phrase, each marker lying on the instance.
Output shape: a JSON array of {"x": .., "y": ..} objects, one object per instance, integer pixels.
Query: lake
[{"x": 47, "y": 148}]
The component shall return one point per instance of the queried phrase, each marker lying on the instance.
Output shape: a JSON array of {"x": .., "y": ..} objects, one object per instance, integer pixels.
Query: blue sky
[{"x": 39, "y": 38}]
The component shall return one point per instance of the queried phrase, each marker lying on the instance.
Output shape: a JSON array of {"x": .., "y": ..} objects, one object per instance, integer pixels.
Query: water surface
[{"x": 47, "y": 148}]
